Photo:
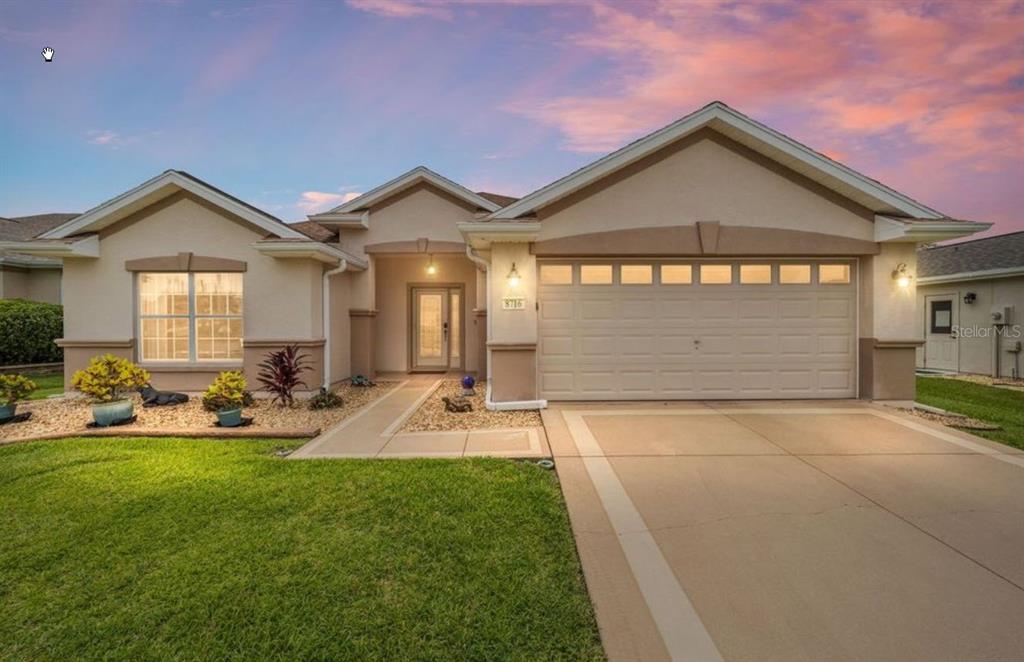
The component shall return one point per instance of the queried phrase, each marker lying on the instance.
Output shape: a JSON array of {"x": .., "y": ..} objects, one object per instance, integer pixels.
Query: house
[
  {"x": 27, "y": 276},
  {"x": 714, "y": 258},
  {"x": 971, "y": 298}
]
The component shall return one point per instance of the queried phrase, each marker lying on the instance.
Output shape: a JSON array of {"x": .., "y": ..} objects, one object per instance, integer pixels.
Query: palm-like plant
[{"x": 280, "y": 373}]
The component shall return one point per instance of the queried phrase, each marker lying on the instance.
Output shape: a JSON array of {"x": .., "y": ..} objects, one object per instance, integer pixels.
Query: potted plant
[
  {"x": 226, "y": 396},
  {"x": 12, "y": 389},
  {"x": 109, "y": 380}
]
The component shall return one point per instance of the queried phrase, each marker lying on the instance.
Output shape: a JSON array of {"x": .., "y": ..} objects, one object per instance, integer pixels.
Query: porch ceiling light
[
  {"x": 902, "y": 276},
  {"x": 513, "y": 276},
  {"x": 431, "y": 267}
]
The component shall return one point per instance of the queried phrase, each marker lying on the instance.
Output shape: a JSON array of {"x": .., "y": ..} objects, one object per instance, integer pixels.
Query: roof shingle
[{"x": 1001, "y": 252}]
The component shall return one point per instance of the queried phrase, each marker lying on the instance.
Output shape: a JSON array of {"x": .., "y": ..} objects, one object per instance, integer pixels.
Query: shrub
[
  {"x": 325, "y": 400},
  {"x": 108, "y": 378},
  {"x": 27, "y": 332},
  {"x": 280, "y": 371},
  {"x": 14, "y": 388},
  {"x": 227, "y": 392}
]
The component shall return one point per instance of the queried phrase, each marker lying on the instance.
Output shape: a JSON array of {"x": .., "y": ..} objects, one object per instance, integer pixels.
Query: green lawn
[
  {"x": 46, "y": 385},
  {"x": 196, "y": 549},
  {"x": 986, "y": 403}
]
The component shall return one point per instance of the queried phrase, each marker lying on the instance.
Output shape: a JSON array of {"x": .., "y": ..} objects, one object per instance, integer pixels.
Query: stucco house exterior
[
  {"x": 28, "y": 276},
  {"x": 714, "y": 258},
  {"x": 971, "y": 298}
]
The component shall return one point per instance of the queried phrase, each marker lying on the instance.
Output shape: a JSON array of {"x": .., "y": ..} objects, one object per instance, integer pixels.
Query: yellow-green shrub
[
  {"x": 14, "y": 388},
  {"x": 109, "y": 378},
  {"x": 227, "y": 392}
]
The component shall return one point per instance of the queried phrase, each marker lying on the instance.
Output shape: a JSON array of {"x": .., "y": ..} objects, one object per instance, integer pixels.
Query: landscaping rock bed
[
  {"x": 58, "y": 417},
  {"x": 432, "y": 416},
  {"x": 953, "y": 420}
]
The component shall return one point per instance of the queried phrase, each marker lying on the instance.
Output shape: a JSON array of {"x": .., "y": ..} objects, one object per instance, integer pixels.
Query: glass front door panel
[{"x": 431, "y": 342}]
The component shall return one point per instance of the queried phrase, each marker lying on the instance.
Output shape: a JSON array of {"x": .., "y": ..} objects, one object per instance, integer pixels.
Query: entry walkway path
[{"x": 374, "y": 432}]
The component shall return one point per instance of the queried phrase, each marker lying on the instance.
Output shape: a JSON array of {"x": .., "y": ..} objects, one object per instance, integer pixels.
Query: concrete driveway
[{"x": 793, "y": 531}]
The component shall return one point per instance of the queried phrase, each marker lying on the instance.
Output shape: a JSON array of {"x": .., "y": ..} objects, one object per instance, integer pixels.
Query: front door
[
  {"x": 941, "y": 344},
  {"x": 436, "y": 328}
]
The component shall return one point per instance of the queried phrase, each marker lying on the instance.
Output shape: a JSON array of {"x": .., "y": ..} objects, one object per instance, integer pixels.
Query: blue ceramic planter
[
  {"x": 109, "y": 413},
  {"x": 7, "y": 411},
  {"x": 230, "y": 418}
]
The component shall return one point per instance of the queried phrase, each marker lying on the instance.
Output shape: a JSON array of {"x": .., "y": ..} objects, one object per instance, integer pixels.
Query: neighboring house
[
  {"x": 714, "y": 258},
  {"x": 27, "y": 276},
  {"x": 971, "y": 296}
]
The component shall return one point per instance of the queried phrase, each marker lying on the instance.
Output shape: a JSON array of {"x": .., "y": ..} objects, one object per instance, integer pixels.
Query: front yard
[
  {"x": 1001, "y": 406},
  {"x": 177, "y": 548}
]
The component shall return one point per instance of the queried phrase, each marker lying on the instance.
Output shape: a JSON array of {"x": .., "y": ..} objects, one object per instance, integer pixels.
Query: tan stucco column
[
  {"x": 889, "y": 325},
  {"x": 363, "y": 333},
  {"x": 513, "y": 311}
]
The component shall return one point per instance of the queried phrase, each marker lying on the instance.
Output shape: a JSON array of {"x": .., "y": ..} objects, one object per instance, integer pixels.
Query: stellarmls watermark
[{"x": 1014, "y": 331}]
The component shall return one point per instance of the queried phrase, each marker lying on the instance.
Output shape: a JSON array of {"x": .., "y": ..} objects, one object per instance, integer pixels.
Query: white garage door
[{"x": 637, "y": 330}]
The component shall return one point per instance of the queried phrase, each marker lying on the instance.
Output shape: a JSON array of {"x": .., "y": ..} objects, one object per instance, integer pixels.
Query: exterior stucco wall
[
  {"x": 705, "y": 178},
  {"x": 395, "y": 275},
  {"x": 975, "y": 350},
  {"x": 282, "y": 297},
  {"x": 341, "y": 328},
  {"x": 420, "y": 211},
  {"x": 31, "y": 284}
]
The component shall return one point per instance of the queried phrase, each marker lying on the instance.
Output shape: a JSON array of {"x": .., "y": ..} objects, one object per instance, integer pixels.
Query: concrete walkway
[
  {"x": 792, "y": 531},
  {"x": 374, "y": 432}
]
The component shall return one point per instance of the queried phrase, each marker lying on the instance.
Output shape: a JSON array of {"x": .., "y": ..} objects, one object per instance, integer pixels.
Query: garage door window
[
  {"x": 556, "y": 274},
  {"x": 636, "y": 274},
  {"x": 596, "y": 274},
  {"x": 716, "y": 274},
  {"x": 756, "y": 274},
  {"x": 676, "y": 274},
  {"x": 834, "y": 274},
  {"x": 794, "y": 274}
]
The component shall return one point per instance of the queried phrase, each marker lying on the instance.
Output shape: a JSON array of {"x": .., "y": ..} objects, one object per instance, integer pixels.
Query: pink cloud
[
  {"x": 914, "y": 92},
  {"x": 313, "y": 202},
  {"x": 403, "y": 8}
]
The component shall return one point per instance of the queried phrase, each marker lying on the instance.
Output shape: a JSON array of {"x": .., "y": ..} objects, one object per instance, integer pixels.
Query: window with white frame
[{"x": 190, "y": 317}]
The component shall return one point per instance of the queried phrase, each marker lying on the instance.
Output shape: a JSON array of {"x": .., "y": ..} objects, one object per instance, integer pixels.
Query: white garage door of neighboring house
[{"x": 622, "y": 330}]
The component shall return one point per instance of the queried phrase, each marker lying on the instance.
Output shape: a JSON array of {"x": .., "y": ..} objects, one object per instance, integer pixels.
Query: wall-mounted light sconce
[
  {"x": 970, "y": 298},
  {"x": 901, "y": 275},
  {"x": 513, "y": 277},
  {"x": 431, "y": 267}
]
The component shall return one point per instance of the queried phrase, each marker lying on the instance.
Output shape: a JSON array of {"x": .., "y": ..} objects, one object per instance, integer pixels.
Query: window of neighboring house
[
  {"x": 190, "y": 317},
  {"x": 596, "y": 274},
  {"x": 636, "y": 274},
  {"x": 833, "y": 274},
  {"x": 556, "y": 274},
  {"x": 942, "y": 317},
  {"x": 756, "y": 274},
  {"x": 715, "y": 274},
  {"x": 676, "y": 274},
  {"x": 794, "y": 274}
]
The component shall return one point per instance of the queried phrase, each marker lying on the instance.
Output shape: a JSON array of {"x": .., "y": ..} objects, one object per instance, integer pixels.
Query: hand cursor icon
[{"x": 48, "y": 54}]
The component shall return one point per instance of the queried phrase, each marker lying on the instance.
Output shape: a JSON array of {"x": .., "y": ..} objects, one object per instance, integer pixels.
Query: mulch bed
[
  {"x": 56, "y": 418},
  {"x": 433, "y": 417}
]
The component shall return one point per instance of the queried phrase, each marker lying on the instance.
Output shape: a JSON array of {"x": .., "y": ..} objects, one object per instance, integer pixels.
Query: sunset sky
[{"x": 294, "y": 106}]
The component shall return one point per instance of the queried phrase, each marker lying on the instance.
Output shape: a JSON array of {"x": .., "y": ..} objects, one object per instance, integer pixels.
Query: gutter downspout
[
  {"x": 476, "y": 259},
  {"x": 325, "y": 309}
]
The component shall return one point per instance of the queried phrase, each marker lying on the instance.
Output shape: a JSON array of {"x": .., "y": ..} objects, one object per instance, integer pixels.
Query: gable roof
[
  {"x": 158, "y": 188},
  {"x": 978, "y": 256},
  {"x": 398, "y": 184},
  {"x": 751, "y": 133},
  {"x": 17, "y": 228},
  {"x": 497, "y": 198}
]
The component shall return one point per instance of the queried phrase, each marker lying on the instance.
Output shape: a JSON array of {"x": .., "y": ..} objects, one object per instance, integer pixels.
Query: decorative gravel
[
  {"x": 987, "y": 380},
  {"x": 433, "y": 417},
  {"x": 953, "y": 420},
  {"x": 70, "y": 415}
]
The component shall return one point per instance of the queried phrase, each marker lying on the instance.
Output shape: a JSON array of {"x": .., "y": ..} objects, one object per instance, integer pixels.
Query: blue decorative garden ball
[{"x": 468, "y": 382}]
